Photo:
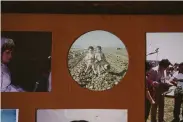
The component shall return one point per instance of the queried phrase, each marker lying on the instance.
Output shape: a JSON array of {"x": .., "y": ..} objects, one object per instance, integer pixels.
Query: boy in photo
[
  {"x": 90, "y": 59},
  {"x": 100, "y": 60}
]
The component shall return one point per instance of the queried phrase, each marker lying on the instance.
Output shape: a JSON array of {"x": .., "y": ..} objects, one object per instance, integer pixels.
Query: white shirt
[
  {"x": 179, "y": 77},
  {"x": 175, "y": 73},
  {"x": 5, "y": 78},
  {"x": 168, "y": 77},
  {"x": 6, "y": 85},
  {"x": 160, "y": 76}
]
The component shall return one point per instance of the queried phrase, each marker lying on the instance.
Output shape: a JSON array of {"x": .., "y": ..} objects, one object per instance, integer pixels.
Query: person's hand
[
  {"x": 152, "y": 102},
  {"x": 155, "y": 84},
  {"x": 170, "y": 84},
  {"x": 174, "y": 83}
]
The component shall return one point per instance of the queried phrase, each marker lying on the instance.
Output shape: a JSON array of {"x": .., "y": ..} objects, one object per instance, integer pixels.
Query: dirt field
[{"x": 117, "y": 58}]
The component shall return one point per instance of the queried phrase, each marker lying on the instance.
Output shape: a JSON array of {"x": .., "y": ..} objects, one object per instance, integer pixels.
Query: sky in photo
[
  {"x": 9, "y": 115},
  {"x": 99, "y": 37},
  {"x": 91, "y": 115},
  {"x": 170, "y": 46}
]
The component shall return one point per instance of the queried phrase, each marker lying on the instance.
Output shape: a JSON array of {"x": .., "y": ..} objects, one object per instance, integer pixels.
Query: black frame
[{"x": 93, "y": 7}]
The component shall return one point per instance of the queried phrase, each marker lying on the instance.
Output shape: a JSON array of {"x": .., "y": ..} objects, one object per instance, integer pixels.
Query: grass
[{"x": 168, "y": 110}]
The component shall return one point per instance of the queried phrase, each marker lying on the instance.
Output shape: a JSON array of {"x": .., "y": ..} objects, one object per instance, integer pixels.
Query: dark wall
[
  {"x": 93, "y": 7},
  {"x": 30, "y": 58}
]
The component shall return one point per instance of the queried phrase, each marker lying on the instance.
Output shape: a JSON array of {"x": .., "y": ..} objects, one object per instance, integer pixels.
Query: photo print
[
  {"x": 81, "y": 115},
  {"x": 26, "y": 61},
  {"x": 164, "y": 77},
  {"x": 9, "y": 115},
  {"x": 98, "y": 60}
]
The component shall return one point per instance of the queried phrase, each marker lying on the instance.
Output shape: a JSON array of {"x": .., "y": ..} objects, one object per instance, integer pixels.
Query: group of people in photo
[
  {"x": 159, "y": 79},
  {"x": 96, "y": 60}
]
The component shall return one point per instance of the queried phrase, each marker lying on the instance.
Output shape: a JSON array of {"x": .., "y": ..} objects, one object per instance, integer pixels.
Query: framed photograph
[
  {"x": 9, "y": 115},
  {"x": 92, "y": 53},
  {"x": 81, "y": 115},
  {"x": 98, "y": 60},
  {"x": 26, "y": 61},
  {"x": 163, "y": 56}
]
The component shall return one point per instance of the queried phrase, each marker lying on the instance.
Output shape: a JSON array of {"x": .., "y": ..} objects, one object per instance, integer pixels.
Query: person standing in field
[
  {"x": 157, "y": 75},
  {"x": 149, "y": 92}
]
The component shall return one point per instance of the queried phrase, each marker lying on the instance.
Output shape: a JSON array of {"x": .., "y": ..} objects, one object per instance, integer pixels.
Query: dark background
[
  {"x": 30, "y": 58},
  {"x": 93, "y": 7}
]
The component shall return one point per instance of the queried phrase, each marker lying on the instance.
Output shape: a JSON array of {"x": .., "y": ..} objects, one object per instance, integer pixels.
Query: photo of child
[
  {"x": 90, "y": 59},
  {"x": 98, "y": 60},
  {"x": 25, "y": 67}
]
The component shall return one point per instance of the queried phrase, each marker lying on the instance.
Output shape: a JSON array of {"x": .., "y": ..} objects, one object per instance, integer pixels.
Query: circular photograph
[{"x": 98, "y": 60}]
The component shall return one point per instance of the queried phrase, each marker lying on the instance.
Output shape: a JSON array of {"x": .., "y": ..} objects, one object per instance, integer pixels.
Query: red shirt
[{"x": 149, "y": 86}]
